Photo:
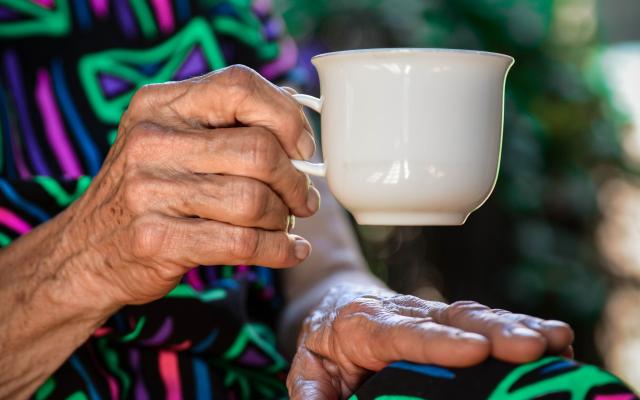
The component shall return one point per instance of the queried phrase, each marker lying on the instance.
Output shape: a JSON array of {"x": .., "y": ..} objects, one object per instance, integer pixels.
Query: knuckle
[
  {"x": 262, "y": 151},
  {"x": 459, "y": 308},
  {"x": 135, "y": 191},
  {"x": 243, "y": 243},
  {"x": 239, "y": 78},
  {"x": 253, "y": 199},
  {"x": 356, "y": 307},
  {"x": 140, "y": 99},
  {"x": 148, "y": 236},
  {"x": 142, "y": 138}
]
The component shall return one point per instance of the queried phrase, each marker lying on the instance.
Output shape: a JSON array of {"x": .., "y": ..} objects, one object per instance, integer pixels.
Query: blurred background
[{"x": 560, "y": 236}]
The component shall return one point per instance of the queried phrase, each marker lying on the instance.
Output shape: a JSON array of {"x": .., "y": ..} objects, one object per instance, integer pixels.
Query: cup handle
[{"x": 317, "y": 169}]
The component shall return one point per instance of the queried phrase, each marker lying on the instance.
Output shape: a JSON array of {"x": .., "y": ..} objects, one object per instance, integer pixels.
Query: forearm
[{"x": 44, "y": 311}]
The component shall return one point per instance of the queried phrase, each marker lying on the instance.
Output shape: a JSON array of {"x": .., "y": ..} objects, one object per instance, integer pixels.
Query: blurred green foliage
[{"x": 531, "y": 247}]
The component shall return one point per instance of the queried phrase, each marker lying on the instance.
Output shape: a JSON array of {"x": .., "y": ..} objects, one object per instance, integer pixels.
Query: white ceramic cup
[{"x": 409, "y": 136}]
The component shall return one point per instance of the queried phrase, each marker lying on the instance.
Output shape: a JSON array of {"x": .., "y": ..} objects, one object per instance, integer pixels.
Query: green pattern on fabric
[
  {"x": 111, "y": 136},
  {"x": 254, "y": 38},
  {"x": 186, "y": 291},
  {"x": 252, "y": 332},
  {"x": 79, "y": 395},
  {"x": 122, "y": 63},
  {"x": 53, "y": 187},
  {"x": 136, "y": 330},
  {"x": 145, "y": 17},
  {"x": 38, "y": 21},
  {"x": 46, "y": 389},
  {"x": 4, "y": 240},
  {"x": 577, "y": 382},
  {"x": 113, "y": 365},
  {"x": 398, "y": 397}
]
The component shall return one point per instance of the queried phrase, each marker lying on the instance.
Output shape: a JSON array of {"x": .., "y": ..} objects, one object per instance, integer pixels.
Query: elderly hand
[
  {"x": 355, "y": 331},
  {"x": 200, "y": 174}
]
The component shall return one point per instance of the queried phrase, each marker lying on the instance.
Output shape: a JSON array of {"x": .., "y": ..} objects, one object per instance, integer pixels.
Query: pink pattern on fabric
[
  {"x": 13, "y": 222},
  {"x": 54, "y": 127},
  {"x": 100, "y": 7},
  {"x": 285, "y": 61},
  {"x": 164, "y": 14},
  {"x": 182, "y": 346},
  {"x": 102, "y": 331},
  {"x": 193, "y": 279},
  {"x": 620, "y": 396},
  {"x": 168, "y": 362},
  {"x": 45, "y": 3}
]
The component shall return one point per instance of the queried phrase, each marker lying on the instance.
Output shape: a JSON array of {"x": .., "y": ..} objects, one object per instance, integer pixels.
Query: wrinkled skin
[
  {"x": 200, "y": 174},
  {"x": 356, "y": 331}
]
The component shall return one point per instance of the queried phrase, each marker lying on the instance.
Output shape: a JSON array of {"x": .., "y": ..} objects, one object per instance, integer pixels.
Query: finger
[
  {"x": 189, "y": 242},
  {"x": 252, "y": 152},
  {"x": 510, "y": 341},
  {"x": 568, "y": 352},
  {"x": 558, "y": 334},
  {"x": 226, "y": 97},
  {"x": 232, "y": 199},
  {"x": 308, "y": 379},
  {"x": 372, "y": 340},
  {"x": 423, "y": 341},
  {"x": 293, "y": 91}
]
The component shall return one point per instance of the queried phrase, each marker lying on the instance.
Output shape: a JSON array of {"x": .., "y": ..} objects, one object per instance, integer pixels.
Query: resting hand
[
  {"x": 200, "y": 174},
  {"x": 353, "y": 333}
]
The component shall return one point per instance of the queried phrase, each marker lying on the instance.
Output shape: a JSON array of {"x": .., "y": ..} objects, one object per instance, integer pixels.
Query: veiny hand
[
  {"x": 351, "y": 334},
  {"x": 200, "y": 174}
]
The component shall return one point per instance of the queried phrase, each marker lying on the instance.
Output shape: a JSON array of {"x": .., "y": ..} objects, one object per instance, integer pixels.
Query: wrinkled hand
[
  {"x": 352, "y": 333},
  {"x": 200, "y": 174}
]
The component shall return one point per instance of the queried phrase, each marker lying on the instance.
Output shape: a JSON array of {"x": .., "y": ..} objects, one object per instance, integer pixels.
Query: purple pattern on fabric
[
  {"x": 112, "y": 85},
  {"x": 14, "y": 77},
  {"x": 126, "y": 18},
  {"x": 161, "y": 335},
  {"x": 139, "y": 389},
  {"x": 285, "y": 61},
  {"x": 273, "y": 28},
  {"x": 7, "y": 14},
  {"x": 252, "y": 357},
  {"x": 194, "y": 64}
]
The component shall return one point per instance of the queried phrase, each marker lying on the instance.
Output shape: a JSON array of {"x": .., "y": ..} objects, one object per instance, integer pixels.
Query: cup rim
[{"x": 411, "y": 50}]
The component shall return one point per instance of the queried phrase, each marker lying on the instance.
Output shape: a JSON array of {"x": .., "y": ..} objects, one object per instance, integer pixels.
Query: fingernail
[
  {"x": 306, "y": 146},
  {"x": 313, "y": 199},
  {"x": 524, "y": 332},
  {"x": 302, "y": 249},
  {"x": 553, "y": 324}
]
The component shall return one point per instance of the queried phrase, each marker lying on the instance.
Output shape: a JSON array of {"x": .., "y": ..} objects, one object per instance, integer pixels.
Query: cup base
[{"x": 410, "y": 218}]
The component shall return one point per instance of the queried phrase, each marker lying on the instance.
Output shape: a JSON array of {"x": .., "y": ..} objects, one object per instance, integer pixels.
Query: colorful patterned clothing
[
  {"x": 68, "y": 69},
  {"x": 551, "y": 378}
]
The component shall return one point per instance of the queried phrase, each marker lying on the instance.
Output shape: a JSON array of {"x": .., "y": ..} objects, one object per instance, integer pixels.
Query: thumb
[{"x": 309, "y": 380}]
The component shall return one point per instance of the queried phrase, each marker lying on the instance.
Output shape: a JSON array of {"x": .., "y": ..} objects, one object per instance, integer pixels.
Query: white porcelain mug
[{"x": 409, "y": 136}]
